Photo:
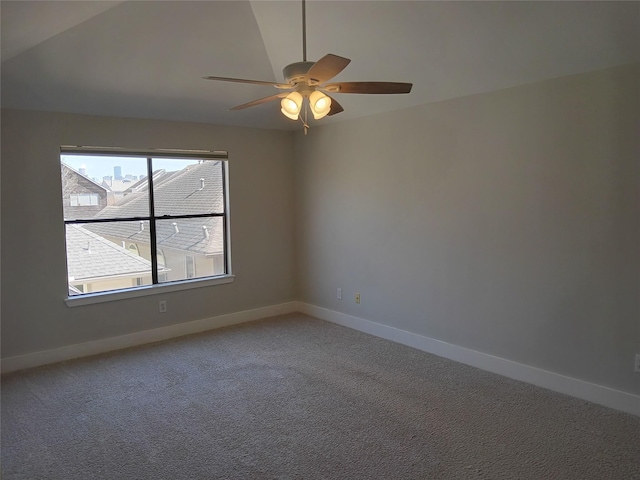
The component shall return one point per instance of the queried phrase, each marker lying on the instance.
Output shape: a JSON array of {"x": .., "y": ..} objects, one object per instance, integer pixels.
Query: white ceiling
[{"x": 147, "y": 59}]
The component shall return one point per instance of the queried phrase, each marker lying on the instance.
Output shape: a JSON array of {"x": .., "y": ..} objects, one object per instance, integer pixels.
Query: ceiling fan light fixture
[
  {"x": 320, "y": 104},
  {"x": 306, "y": 79},
  {"x": 291, "y": 105}
]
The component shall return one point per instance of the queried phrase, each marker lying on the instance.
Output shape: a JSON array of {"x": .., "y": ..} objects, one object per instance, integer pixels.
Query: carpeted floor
[{"x": 294, "y": 397}]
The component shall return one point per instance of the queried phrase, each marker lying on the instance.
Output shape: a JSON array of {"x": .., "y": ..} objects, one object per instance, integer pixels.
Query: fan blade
[
  {"x": 369, "y": 87},
  {"x": 335, "y": 107},
  {"x": 326, "y": 68},
  {"x": 259, "y": 101},
  {"x": 253, "y": 82}
]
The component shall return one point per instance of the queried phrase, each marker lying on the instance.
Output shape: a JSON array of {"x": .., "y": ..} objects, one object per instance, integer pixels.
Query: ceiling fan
[{"x": 307, "y": 85}]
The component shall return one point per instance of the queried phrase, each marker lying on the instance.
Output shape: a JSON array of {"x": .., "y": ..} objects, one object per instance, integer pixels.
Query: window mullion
[
  {"x": 106, "y": 220},
  {"x": 224, "y": 218},
  {"x": 189, "y": 215},
  {"x": 152, "y": 225}
]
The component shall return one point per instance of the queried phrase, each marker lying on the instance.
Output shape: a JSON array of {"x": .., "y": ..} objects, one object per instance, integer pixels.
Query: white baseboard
[
  {"x": 69, "y": 352},
  {"x": 599, "y": 394}
]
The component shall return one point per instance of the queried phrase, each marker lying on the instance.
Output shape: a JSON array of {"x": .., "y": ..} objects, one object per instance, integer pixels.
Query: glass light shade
[
  {"x": 320, "y": 104},
  {"x": 291, "y": 105}
]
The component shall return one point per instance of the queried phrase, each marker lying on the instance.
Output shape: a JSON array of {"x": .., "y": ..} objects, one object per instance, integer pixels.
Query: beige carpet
[{"x": 294, "y": 397}]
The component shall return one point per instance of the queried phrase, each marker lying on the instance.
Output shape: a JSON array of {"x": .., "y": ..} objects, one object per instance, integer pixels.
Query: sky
[{"x": 98, "y": 166}]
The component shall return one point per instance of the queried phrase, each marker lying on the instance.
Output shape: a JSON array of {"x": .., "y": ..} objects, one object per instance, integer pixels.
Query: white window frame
[{"x": 160, "y": 288}]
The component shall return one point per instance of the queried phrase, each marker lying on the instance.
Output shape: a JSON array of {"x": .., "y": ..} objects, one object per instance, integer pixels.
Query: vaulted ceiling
[{"x": 147, "y": 59}]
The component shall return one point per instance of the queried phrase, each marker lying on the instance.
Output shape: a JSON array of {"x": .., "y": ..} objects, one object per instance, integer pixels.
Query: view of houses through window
[{"x": 132, "y": 221}]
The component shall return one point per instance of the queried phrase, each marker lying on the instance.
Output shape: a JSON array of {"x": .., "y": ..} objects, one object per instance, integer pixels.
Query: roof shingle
[
  {"x": 91, "y": 257},
  {"x": 196, "y": 189}
]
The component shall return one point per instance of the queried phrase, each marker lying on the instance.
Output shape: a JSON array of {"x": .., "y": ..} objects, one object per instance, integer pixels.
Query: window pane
[
  {"x": 100, "y": 256},
  {"x": 186, "y": 187},
  {"x": 192, "y": 248},
  {"x": 84, "y": 200},
  {"x": 102, "y": 186}
]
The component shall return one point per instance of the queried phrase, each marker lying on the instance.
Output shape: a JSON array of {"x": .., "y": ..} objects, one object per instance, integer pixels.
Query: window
[
  {"x": 190, "y": 266},
  {"x": 162, "y": 263},
  {"x": 133, "y": 248},
  {"x": 157, "y": 230},
  {"x": 84, "y": 199}
]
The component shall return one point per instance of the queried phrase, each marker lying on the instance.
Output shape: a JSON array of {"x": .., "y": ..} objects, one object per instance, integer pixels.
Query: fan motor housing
[{"x": 296, "y": 72}]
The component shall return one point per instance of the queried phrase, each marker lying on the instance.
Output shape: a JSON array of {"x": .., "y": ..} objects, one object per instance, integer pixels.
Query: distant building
[
  {"x": 81, "y": 196},
  {"x": 117, "y": 173},
  {"x": 118, "y": 189}
]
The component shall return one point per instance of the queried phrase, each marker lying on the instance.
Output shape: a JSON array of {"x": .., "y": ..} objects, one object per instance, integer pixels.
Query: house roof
[
  {"x": 72, "y": 170},
  {"x": 142, "y": 186},
  {"x": 196, "y": 189},
  {"x": 91, "y": 257}
]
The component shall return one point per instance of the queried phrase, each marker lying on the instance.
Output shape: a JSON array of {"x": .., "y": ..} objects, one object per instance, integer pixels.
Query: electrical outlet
[
  {"x": 636, "y": 368},
  {"x": 162, "y": 306},
  {"x": 339, "y": 294},
  {"x": 357, "y": 298}
]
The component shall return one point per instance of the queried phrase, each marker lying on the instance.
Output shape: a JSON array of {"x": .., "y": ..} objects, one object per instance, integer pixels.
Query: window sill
[{"x": 100, "y": 297}]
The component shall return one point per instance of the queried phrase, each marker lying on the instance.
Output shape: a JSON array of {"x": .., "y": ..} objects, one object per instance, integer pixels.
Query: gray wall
[
  {"x": 506, "y": 222},
  {"x": 34, "y": 315}
]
